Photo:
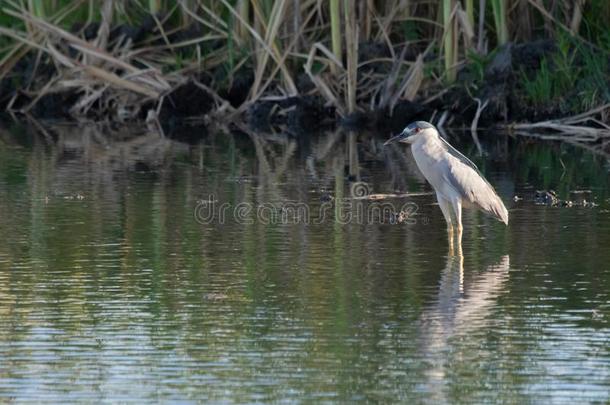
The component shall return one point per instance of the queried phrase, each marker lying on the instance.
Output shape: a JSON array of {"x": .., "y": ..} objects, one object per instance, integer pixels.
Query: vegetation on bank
[{"x": 452, "y": 59}]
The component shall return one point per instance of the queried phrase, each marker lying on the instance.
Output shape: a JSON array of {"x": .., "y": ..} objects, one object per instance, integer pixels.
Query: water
[{"x": 118, "y": 285}]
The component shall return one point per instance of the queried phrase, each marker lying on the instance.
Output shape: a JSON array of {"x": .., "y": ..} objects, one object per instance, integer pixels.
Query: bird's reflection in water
[{"x": 461, "y": 309}]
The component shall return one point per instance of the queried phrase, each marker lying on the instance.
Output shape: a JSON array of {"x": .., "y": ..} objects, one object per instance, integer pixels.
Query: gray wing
[
  {"x": 456, "y": 153},
  {"x": 473, "y": 188}
]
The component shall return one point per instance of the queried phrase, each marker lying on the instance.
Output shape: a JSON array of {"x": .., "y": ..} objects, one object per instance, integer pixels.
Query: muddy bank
[
  {"x": 499, "y": 87},
  {"x": 199, "y": 99}
]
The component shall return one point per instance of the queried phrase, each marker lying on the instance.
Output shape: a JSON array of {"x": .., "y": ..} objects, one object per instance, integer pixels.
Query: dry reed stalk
[
  {"x": 576, "y": 16},
  {"x": 573, "y": 127},
  {"x": 475, "y": 123},
  {"x": 383, "y": 33},
  {"x": 275, "y": 19},
  {"x": 325, "y": 90},
  {"x": 499, "y": 12},
  {"x": 380, "y": 196},
  {"x": 470, "y": 12},
  {"x": 291, "y": 87},
  {"x": 411, "y": 82},
  {"x": 450, "y": 39},
  {"x": 113, "y": 79},
  {"x": 335, "y": 28},
  {"x": 351, "y": 45},
  {"x": 75, "y": 42},
  {"x": 481, "y": 40},
  {"x": 97, "y": 64},
  {"x": 101, "y": 40},
  {"x": 20, "y": 49},
  {"x": 273, "y": 34},
  {"x": 284, "y": 58},
  {"x": 367, "y": 7},
  {"x": 550, "y": 19},
  {"x": 244, "y": 12},
  {"x": 464, "y": 22},
  {"x": 389, "y": 84},
  {"x": 211, "y": 23}
]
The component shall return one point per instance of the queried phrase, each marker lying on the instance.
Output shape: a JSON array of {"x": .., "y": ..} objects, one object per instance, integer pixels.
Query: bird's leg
[
  {"x": 457, "y": 210},
  {"x": 446, "y": 209}
]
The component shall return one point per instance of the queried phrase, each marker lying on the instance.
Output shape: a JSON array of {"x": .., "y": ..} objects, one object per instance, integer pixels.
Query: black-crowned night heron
[{"x": 456, "y": 180}]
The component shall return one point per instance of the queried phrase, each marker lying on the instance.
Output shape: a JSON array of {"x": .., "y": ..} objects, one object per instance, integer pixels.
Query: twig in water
[
  {"x": 475, "y": 123},
  {"x": 442, "y": 119}
]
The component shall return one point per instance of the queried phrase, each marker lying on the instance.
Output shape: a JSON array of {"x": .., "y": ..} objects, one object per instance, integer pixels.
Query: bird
[{"x": 456, "y": 180}]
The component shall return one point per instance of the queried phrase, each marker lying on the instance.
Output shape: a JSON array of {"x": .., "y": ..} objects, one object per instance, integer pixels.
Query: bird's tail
[{"x": 499, "y": 210}]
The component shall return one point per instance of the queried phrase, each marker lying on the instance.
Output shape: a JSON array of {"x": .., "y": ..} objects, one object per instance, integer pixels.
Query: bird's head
[{"x": 412, "y": 132}]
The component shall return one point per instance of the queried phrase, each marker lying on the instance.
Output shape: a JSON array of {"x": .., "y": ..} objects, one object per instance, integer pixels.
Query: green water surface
[{"x": 117, "y": 286}]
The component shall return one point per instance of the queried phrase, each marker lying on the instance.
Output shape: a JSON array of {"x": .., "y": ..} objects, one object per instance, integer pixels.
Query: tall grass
[
  {"x": 573, "y": 78},
  {"x": 280, "y": 40},
  {"x": 470, "y": 12},
  {"x": 499, "y": 13},
  {"x": 450, "y": 39},
  {"x": 335, "y": 28}
]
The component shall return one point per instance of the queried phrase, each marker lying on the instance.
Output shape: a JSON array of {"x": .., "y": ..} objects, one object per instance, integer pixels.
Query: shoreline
[
  {"x": 194, "y": 100},
  {"x": 159, "y": 70}
]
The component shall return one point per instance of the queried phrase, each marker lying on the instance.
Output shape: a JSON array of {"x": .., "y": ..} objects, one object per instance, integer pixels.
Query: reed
[
  {"x": 154, "y": 6},
  {"x": 450, "y": 39},
  {"x": 351, "y": 43},
  {"x": 335, "y": 28},
  {"x": 499, "y": 13},
  {"x": 94, "y": 45},
  {"x": 470, "y": 12}
]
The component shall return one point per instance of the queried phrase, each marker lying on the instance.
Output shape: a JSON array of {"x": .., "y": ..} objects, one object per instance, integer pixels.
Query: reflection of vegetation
[
  {"x": 126, "y": 282},
  {"x": 547, "y": 165},
  {"x": 563, "y": 168}
]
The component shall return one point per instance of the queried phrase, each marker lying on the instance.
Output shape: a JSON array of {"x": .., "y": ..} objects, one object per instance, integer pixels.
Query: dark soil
[
  {"x": 303, "y": 113},
  {"x": 300, "y": 114},
  {"x": 188, "y": 100},
  {"x": 237, "y": 91},
  {"x": 55, "y": 105}
]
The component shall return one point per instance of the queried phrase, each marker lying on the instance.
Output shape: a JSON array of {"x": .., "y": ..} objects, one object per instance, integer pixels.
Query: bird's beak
[
  {"x": 392, "y": 139},
  {"x": 395, "y": 138}
]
